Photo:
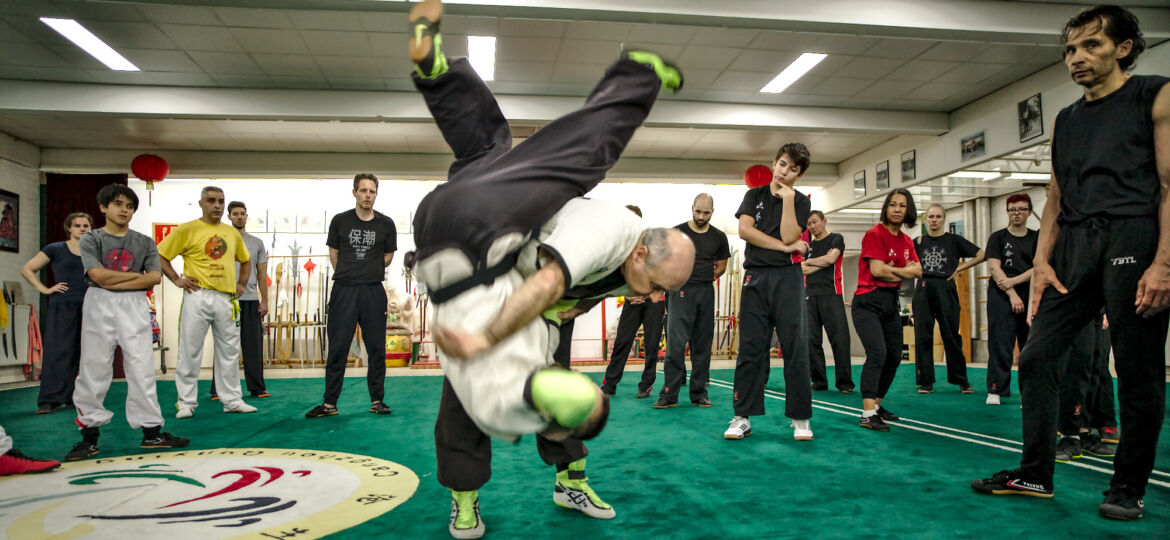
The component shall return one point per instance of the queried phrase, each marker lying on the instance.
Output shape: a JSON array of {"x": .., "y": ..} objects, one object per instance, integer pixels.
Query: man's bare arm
[{"x": 1153, "y": 294}]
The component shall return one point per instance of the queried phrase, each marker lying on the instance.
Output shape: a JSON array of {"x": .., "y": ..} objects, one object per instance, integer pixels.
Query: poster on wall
[
  {"x": 973, "y": 146},
  {"x": 859, "y": 184},
  {"x": 883, "y": 175},
  {"x": 257, "y": 221},
  {"x": 162, "y": 230},
  {"x": 909, "y": 166},
  {"x": 9, "y": 221},
  {"x": 311, "y": 223},
  {"x": 1031, "y": 118},
  {"x": 282, "y": 222}
]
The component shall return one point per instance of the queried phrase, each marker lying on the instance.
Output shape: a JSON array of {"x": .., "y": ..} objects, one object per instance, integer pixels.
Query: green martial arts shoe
[
  {"x": 668, "y": 73},
  {"x": 465, "y": 520},
  {"x": 565, "y": 395},
  {"x": 424, "y": 22},
  {"x": 573, "y": 491}
]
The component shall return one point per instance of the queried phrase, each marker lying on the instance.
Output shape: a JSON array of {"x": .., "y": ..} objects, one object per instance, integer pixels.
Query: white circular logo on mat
[{"x": 205, "y": 494}]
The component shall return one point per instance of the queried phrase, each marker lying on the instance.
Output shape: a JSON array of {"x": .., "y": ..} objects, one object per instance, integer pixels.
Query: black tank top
[{"x": 1103, "y": 154}]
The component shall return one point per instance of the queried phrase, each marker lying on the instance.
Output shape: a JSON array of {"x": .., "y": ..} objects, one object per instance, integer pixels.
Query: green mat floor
[{"x": 669, "y": 473}]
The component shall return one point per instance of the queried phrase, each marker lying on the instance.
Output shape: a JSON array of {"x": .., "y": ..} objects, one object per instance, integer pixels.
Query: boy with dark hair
[
  {"x": 771, "y": 220},
  {"x": 120, "y": 265},
  {"x": 1109, "y": 197}
]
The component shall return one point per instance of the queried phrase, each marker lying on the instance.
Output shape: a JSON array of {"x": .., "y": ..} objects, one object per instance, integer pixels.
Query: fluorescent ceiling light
[
  {"x": 73, "y": 31},
  {"x": 981, "y": 175},
  {"x": 794, "y": 71},
  {"x": 1028, "y": 176},
  {"x": 860, "y": 211},
  {"x": 481, "y": 52}
]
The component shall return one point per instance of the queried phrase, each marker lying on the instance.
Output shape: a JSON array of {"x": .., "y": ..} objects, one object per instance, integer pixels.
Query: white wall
[{"x": 19, "y": 162}]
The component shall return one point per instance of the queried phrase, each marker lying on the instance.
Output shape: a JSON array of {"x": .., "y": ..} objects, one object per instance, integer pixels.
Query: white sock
[{"x": 868, "y": 413}]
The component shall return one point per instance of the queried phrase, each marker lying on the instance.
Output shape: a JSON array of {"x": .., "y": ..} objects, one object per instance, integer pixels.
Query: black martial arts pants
[
  {"x": 1005, "y": 330},
  {"x": 772, "y": 300},
  {"x": 878, "y": 323},
  {"x": 1100, "y": 262},
  {"x": 495, "y": 189},
  {"x": 1086, "y": 390},
  {"x": 937, "y": 299},
  {"x": 690, "y": 320},
  {"x": 828, "y": 312},
  {"x": 648, "y": 315},
  {"x": 62, "y": 344},
  {"x": 352, "y": 305}
]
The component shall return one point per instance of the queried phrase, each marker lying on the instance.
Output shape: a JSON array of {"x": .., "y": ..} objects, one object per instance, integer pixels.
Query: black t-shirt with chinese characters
[
  {"x": 360, "y": 246},
  {"x": 1015, "y": 253},
  {"x": 826, "y": 281},
  {"x": 767, "y": 210},
  {"x": 940, "y": 254},
  {"x": 710, "y": 246}
]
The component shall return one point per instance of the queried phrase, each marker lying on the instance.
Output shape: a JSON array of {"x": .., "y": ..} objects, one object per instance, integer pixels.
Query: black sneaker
[
  {"x": 1120, "y": 503},
  {"x": 1110, "y": 435},
  {"x": 1011, "y": 483},
  {"x": 846, "y": 390},
  {"x": 321, "y": 410},
  {"x": 1092, "y": 444},
  {"x": 608, "y": 391},
  {"x": 925, "y": 389},
  {"x": 82, "y": 450},
  {"x": 663, "y": 404},
  {"x": 887, "y": 415},
  {"x": 873, "y": 422},
  {"x": 643, "y": 394},
  {"x": 817, "y": 388},
  {"x": 376, "y": 407},
  {"x": 45, "y": 408},
  {"x": 1068, "y": 449},
  {"x": 702, "y": 402},
  {"x": 163, "y": 440},
  {"x": 966, "y": 389}
]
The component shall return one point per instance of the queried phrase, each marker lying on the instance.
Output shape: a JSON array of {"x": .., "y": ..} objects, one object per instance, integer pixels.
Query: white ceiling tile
[
  {"x": 841, "y": 86},
  {"x": 388, "y": 22},
  {"x": 77, "y": 57},
  {"x": 243, "y": 81},
  {"x": 869, "y": 68},
  {"x": 694, "y": 56},
  {"x": 334, "y": 43},
  {"x": 131, "y": 35},
  {"x": 954, "y": 51},
  {"x": 935, "y": 91},
  {"x": 224, "y": 62},
  {"x": 161, "y": 60},
  {"x": 910, "y": 104},
  {"x": 327, "y": 20},
  {"x": 888, "y": 89},
  {"x": 179, "y": 14},
  {"x": 394, "y": 45},
  {"x": 899, "y": 48},
  {"x": 104, "y": 11},
  {"x": 804, "y": 85},
  {"x": 598, "y": 30},
  {"x": 350, "y": 66},
  {"x": 723, "y": 37},
  {"x": 972, "y": 72},
  {"x": 784, "y": 41},
  {"x": 267, "y": 40},
  {"x": 730, "y": 96},
  {"x": 287, "y": 64},
  {"x": 532, "y": 28},
  {"x": 522, "y": 88},
  {"x": 579, "y": 51},
  {"x": 763, "y": 61},
  {"x": 744, "y": 81},
  {"x": 201, "y": 38},
  {"x": 253, "y": 18},
  {"x": 921, "y": 70},
  {"x": 843, "y": 44},
  {"x": 122, "y": 77},
  {"x": 10, "y": 33},
  {"x": 698, "y": 79},
  {"x": 645, "y": 34},
  {"x": 474, "y": 26},
  {"x": 519, "y": 49},
  {"x": 31, "y": 54},
  {"x": 356, "y": 83},
  {"x": 538, "y": 72},
  {"x": 1016, "y": 54}
]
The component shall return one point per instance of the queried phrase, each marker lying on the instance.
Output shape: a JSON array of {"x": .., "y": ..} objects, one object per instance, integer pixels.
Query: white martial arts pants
[
  {"x": 491, "y": 386},
  {"x": 5, "y": 442},
  {"x": 220, "y": 311},
  {"x": 110, "y": 319}
]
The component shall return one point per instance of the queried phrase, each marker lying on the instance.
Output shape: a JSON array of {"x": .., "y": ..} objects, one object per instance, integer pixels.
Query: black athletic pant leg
[
  {"x": 1001, "y": 339},
  {"x": 832, "y": 313},
  {"x": 344, "y": 312},
  {"x": 62, "y": 346},
  {"x": 467, "y": 114},
  {"x": 816, "y": 349},
  {"x": 702, "y": 334},
  {"x": 1100, "y": 410},
  {"x": 252, "y": 345},
  {"x": 562, "y": 453},
  {"x": 682, "y": 309},
  {"x": 1074, "y": 384},
  {"x": 372, "y": 319},
  {"x": 755, "y": 340},
  {"x": 791, "y": 324},
  {"x": 627, "y": 330},
  {"x": 653, "y": 316},
  {"x": 946, "y": 296},
  {"x": 463, "y": 453},
  {"x": 879, "y": 327},
  {"x": 924, "y": 316},
  {"x": 563, "y": 355}
]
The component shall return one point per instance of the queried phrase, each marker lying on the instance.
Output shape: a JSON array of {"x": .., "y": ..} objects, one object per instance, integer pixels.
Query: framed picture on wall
[
  {"x": 859, "y": 184},
  {"x": 1031, "y": 118},
  {"x": 9, "y": 221},
  {"x": 973, "y": 146},
  {"x": 883, "y": 175},
  {"x": 909, "y": 166}
]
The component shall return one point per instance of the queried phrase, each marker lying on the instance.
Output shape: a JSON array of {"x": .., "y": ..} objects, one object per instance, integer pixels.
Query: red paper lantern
[
  {"x": 150, "y": 169},
  {"x": 757, "y": 175}
]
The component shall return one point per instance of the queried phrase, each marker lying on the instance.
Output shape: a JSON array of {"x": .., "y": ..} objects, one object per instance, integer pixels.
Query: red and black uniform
[
  {"x": 825, "y": 308},
  {"x": 876, "y": 316}
]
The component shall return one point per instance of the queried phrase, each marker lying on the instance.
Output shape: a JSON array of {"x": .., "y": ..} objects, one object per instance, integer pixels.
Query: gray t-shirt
[
  {"x": 133, "y": 252},
  {"x": 259, "y": 256}
]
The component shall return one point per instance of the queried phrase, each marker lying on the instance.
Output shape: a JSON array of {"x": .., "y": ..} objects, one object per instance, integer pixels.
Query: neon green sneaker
[
  {"x": 565, "y": 395},
  {"x": 424, "y": 22},
  {"x": 667, "y": 72},
  {"x": 572, "y": 491},
  {"x": 465, "y": 520}
]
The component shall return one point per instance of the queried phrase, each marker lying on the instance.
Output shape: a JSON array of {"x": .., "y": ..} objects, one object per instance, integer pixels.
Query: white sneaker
[
  {"x": 740, "y": 427},
  {"x": 240, "y": 407},
  {"x": 801, "y": 430},
  {"x": 185, "y": 412},
  {"x": 993, "y": 399}
]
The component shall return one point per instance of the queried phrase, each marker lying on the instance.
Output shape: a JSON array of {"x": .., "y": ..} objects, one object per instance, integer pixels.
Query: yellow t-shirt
[{"x": 207, "y": 252}]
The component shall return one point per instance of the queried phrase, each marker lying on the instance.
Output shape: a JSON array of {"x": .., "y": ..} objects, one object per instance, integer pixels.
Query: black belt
[{"x": 479, "y": 277}]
